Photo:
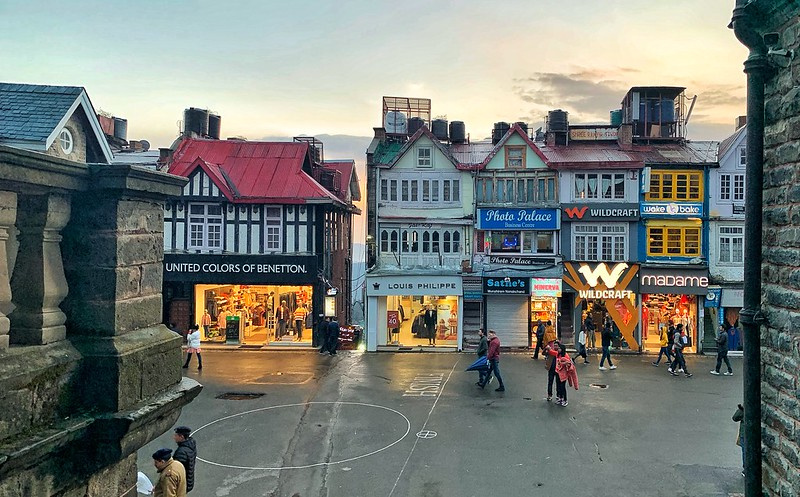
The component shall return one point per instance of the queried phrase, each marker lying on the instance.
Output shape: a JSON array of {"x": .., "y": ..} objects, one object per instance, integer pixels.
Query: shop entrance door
[{"x": 508, "y": 316}]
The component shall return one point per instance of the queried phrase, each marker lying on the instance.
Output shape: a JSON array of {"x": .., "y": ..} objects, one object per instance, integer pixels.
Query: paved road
[{"x": 415, "y": 424}]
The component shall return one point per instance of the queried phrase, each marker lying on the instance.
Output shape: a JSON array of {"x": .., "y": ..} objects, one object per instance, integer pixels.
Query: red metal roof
[
  {"x": 591, "y": 155},
  {"x": 252, "y": 172},
  {"x": 346, "y": 169}
]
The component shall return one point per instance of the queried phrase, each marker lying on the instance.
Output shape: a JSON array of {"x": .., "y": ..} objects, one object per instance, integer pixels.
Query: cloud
[{"x": 722, "y": 95}]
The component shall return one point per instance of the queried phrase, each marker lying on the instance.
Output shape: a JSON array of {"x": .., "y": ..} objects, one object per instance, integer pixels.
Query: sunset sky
[{"x": 278, "y": 68}]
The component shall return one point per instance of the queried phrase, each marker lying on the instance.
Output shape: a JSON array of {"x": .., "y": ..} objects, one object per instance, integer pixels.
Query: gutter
[{"x": 757, "y": 68}]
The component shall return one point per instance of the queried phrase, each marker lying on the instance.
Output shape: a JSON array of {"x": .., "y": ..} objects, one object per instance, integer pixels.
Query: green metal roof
[{"x": 386, "y": 151}]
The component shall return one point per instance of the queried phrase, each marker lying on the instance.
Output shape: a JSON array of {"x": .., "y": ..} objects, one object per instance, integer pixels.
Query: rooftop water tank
[
  {"x": 195, "y": 121},
  {"x": 214, "y": 126},
  {"x": 523, "y": 125},
  {"x": 458, "y": 132},
  {"x": 616, "y": 117},
  {"x": 558, "y": 121},
  {"x": 120, "y": 128},
  {"x": 499, "y": 131},
  {"x": 414, "y": 124},
  {"x": 395, "y": 123},
  {"x": 439, "y": 129}
]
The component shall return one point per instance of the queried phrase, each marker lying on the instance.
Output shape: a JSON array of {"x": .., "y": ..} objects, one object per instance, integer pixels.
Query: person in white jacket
[{"x": 193, "y": 342}]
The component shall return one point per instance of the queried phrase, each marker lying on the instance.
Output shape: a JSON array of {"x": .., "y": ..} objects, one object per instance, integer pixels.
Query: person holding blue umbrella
[{"x": 483, "y": 349}]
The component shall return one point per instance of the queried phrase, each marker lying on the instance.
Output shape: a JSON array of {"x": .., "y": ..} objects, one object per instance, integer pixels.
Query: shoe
[
  {"x": 680, "y": 370},
  {"x": 613, "y": 367},
  {"x": 548, "y": 399},
  {"x": 742, "y": 473},
  {"x": 564, "y": 403},
  {"x": 478, "y": 383},
  {"x": 482, "y": 385},
  {"x": 500, "y": 389},
  {"x": 199, "y": 368},
  {"x": 729, "y": 373},
  {"x": 654, "y": 364},
  {"x": 602, "y": 368},
  {"x": 586, "y": 362},
  {"x": 689, "y": 375},
  {"x": 558, "y": 402},
  {"x": 673, "y": 373},
  {"x": 669, "y": 370},
  {"x": 714, "y": 372}
]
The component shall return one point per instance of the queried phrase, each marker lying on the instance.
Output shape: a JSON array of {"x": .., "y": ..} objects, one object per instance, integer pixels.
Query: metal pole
[{"x": 756, "y": 67}]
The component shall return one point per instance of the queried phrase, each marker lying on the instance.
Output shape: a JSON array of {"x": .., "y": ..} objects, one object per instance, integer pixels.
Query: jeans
[
  {"x": 678, "y": 362},
  {"x": 494, "y": 368},
  {"x": 299, "y": 324},
  {"x": 561, "y": 390},
  {"x": 483, "y": 374},
  {"x": 664, "y": 352},
  {"x": 606, "y": 355},
  {"x": 551, "y": 377},
  {"x": 581, "y": 352},
  {"x": 538, "y": 348},
  {"x": 723, "y": 357}
]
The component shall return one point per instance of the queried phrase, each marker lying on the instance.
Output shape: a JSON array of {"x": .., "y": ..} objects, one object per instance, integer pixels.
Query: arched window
[
  {"x": 384, "y": 241},
  {"x": 406, "y": 242},
  {"x": 426, "y": 242},
  {"x": 456, "y": 242},
  {"x": 436, "y": 249},
  {"x": 394, "y": 237},
  {"x": 446, "y": 242}
]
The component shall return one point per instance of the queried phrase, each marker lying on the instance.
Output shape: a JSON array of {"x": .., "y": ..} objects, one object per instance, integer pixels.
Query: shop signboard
[
  {"x": 414, "y": 285},
  {"x": 600, "y": 212},
  {"x": 330, "y": 307},
  {"x": 546, "y": 287},
  {"x": 671, "y": 209},
  {"x": 612, "y": 282},
  {"x": 392, "y": 319},
  {"x": 519, "y": 219},
  {"x": 514, "y": 260},
  {"x": 240, "y": 269},
  {"x": 713, "y": 297},
  {"x": 506, "y": 285},
  {"x": 674, "y": 280},
  {"x": 473, "y": 290},
  {"x": 593, "y": 133}
]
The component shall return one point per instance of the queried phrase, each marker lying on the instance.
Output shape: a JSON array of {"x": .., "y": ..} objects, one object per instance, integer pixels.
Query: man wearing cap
[
  {"x": 171, "y": 475},
  {"x": 186, "y": 453}
]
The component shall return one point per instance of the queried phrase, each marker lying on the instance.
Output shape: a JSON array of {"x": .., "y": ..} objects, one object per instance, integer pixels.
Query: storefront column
[{"x": 372, "y": 323}]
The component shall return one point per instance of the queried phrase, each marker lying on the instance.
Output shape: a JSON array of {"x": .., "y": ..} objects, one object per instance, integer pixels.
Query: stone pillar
[
  {"x": 38, "y": 284},
  {"x": 8, "y": 216}
]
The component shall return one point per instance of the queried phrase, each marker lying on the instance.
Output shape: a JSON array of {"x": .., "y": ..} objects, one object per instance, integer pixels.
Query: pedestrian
[
  {"x": 605, "y": 341},
  {"x": 550, "y": 353},
  {"x": 320, "y": 332},
  {"x": 590, "y": 330},
  {"x": 300, "y": 314},
  {"x": 582, "y": 347},
  {"x": 722, "y": 352},
  {"x": 678, "y": 361},
  {"x": 193, "y": 342},
  {"x": 333, "y": 336},
  {"x": 664, "y": 350},
  {"x": 171, "y": 475},
  {"x": 493, "y": 355},
  {"x": 186, "y": 453},
  {"x": 281, "y": 317},
  {"x": 565, "y": 370},
  {"x": 738, "y": 417},
  {"x": 483, "y": 349},
  {"x": 550, "y": 335},
  {"x": 539, "y": 339}
]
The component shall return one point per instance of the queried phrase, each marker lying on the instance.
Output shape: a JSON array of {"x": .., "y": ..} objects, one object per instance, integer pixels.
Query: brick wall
[{"x": 780, "y": 353}]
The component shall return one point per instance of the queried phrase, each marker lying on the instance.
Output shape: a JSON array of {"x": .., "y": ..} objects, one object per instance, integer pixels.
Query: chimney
[
  {"x": 380, "y": 133},
  {"x": 740, "y": 122},
  {"x": 164, "y": 155}
]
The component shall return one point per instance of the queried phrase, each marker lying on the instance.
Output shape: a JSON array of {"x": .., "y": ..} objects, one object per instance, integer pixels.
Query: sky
[{"x": 276, "y": 69}]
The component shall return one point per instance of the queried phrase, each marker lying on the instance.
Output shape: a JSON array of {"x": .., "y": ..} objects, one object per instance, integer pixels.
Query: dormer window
[
  {"x": 65, "y": 141},
  {"x": 515, "y": 157},
  {"x": 424, "y": 157}
]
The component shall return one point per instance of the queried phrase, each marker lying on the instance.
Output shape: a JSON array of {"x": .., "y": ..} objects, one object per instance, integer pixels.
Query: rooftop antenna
[{"x": 689, "y": 114}]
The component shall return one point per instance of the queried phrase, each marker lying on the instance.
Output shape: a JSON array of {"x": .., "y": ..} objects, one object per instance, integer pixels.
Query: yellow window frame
[
  {"x": 675, "y": 239},
  {"x": 681, "y": 185}
]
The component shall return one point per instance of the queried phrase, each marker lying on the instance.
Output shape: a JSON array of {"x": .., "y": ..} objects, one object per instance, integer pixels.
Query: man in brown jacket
[{"x": 171, "y": 475}]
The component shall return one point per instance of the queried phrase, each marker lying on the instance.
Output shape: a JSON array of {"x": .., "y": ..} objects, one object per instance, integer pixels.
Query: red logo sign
[
  {"x": 574, "y": 212},
  {"x": 393, "y": 319}
]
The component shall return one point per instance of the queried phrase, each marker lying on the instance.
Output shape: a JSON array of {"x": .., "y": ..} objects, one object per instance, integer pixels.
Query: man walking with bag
[{"x": 494, "y": 362}]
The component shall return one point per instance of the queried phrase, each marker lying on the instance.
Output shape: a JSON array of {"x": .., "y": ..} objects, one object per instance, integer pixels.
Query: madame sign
[{"x": 676, "y": 280}]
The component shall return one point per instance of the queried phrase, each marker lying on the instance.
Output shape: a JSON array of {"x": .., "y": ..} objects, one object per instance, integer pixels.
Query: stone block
[
  {"x": 135, "y": 249},
  {"x": 117, "y": 479},
  {"x": 779, "y": 421},
  {"x": 152, "y": 278}
]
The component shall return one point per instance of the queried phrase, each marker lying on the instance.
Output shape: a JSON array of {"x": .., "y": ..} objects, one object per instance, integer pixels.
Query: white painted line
[
  {"x": 328, "y": 463},
  {"x": 411, "y": 452}
]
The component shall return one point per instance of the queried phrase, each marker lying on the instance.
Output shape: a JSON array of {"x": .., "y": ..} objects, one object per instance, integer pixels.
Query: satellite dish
[
  {"x": 395, "y": 123},
  {"x": 145, "y": 145}
]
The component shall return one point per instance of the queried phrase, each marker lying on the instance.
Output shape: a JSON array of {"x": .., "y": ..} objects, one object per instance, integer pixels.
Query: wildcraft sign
[
  {"x": 239, "y": 269},
  {"x": 605, "y": 211},
  {"x": 519, "y": 219},
  {"x": 671, "y": 209},
  {"x": 505, "y": 285}
]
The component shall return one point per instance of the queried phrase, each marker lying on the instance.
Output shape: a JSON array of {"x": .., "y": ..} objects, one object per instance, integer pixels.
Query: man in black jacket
[
  {"x": 722, "y": 352},
  {"x": 186, "y": 453}
]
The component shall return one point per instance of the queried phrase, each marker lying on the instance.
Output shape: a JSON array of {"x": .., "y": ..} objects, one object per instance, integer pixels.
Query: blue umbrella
[{"x": 482, "y": 364}]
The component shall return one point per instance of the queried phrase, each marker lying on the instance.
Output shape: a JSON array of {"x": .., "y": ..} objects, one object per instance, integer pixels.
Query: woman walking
[
  {"x": 664, "y": 338},
  {"x": 193, "y": 342},
  {"x": 582, "y": 346},
  {"x": 550, "y": 354}
]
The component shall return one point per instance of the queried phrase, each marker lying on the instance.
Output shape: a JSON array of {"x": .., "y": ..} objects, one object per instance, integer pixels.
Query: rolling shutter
[{"x": 508, "y": 316}]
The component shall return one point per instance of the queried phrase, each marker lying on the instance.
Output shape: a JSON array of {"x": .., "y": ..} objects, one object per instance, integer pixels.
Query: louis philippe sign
[{"x": 519, "y": 219}]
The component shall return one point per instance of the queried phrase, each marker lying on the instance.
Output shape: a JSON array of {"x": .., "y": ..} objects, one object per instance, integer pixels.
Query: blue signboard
[
  {"x": 671, "y": 209},
  {"x": 519, "y": 219}
]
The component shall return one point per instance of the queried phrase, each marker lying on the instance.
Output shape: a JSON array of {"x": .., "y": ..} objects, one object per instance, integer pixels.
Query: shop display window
[
  {"x": 424, "y": 320},
  {"x": 254, "y": 314},
  {"x": 660, "y": 311},
  {"x": 544, "y": 309}
]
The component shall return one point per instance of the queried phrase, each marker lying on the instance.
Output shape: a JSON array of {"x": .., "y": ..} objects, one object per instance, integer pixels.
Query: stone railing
[{"x": 84, "y": 360}]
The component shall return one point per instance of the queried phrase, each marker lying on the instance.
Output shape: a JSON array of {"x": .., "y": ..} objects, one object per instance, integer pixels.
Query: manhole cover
[
  {"x": 239, "y": 396},
  {"x": 426, "y": 434},
  {"x": 598, "y": 385}
]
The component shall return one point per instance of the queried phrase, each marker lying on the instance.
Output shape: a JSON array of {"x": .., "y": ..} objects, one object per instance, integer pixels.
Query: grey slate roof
[{"x": 31, "y": 112}]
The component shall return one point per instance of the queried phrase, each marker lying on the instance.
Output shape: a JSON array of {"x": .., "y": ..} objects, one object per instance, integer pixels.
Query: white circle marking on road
[
  {"x": 305, "y": 466},
  {"x": 426, "y": 434}
]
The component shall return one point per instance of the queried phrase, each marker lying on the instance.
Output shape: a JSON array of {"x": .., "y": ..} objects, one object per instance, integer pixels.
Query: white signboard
[{"x": 414, "y": 285}]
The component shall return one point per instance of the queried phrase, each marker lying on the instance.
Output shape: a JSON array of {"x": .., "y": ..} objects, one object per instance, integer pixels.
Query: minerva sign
[{"x": 519, "y": 219}]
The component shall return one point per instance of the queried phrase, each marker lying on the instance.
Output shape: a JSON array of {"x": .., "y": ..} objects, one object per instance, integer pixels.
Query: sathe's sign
[
  {"x": 671, "y": 209},
  {"x": 688, "y": 281},
  {"x": 502, "y": 285},
  {"x": 240, "y": 269},
  {"x": 519, "y": 219},
  {"x": 609, "y": 276},
  {"x": 546, "y": 287},
  {"x": 414, "y": 285},
  {"x": 597, "y": 212}
]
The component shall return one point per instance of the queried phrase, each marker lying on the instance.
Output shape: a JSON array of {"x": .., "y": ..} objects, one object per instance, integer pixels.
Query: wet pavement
[{"x": 297, "y": 423}]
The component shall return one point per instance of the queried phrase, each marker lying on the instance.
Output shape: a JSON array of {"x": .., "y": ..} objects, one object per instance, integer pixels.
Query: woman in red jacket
[{"x": 565, "y": 369}]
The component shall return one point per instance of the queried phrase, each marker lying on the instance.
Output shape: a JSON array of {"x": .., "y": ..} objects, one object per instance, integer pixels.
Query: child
[{"x": 565, "y": 369}]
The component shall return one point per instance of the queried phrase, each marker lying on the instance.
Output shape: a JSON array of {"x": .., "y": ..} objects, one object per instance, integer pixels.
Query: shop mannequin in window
[
  {"x": 430, "y": 324},
  {"x": 300, "y": 321},
  {"x": 282, "y": 317},
  {"x": 221, "y": 318},
  {"x": 206, "y": 321}
]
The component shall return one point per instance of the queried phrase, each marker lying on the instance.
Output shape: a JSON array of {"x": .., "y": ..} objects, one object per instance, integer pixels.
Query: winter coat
[
  {"x": 582, "y": 337},
  {"x": 677, "y": 343},
  {"x": 565, "y": 369},
  {"x": 550, "y": 356},
  {"x": 738, "y": 416},
  {"x": 606, "y": 336},
  {"x": 540, "y": 332},
  {"x": 483, "y": 347},
  {"x": 494, "y": 349},
  {"x": 664, "y": 338},
  {"x": 550, "y": 335},
  {"x": 171, "y": 481},
  {"x": 193, "y": 339},
  {"x": 186, "y": 453},
  {"x": 722, "y": 342}
]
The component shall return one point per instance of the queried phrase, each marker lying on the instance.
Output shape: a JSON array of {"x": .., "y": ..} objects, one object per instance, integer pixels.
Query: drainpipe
[{"x": 757, "y": 68}]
